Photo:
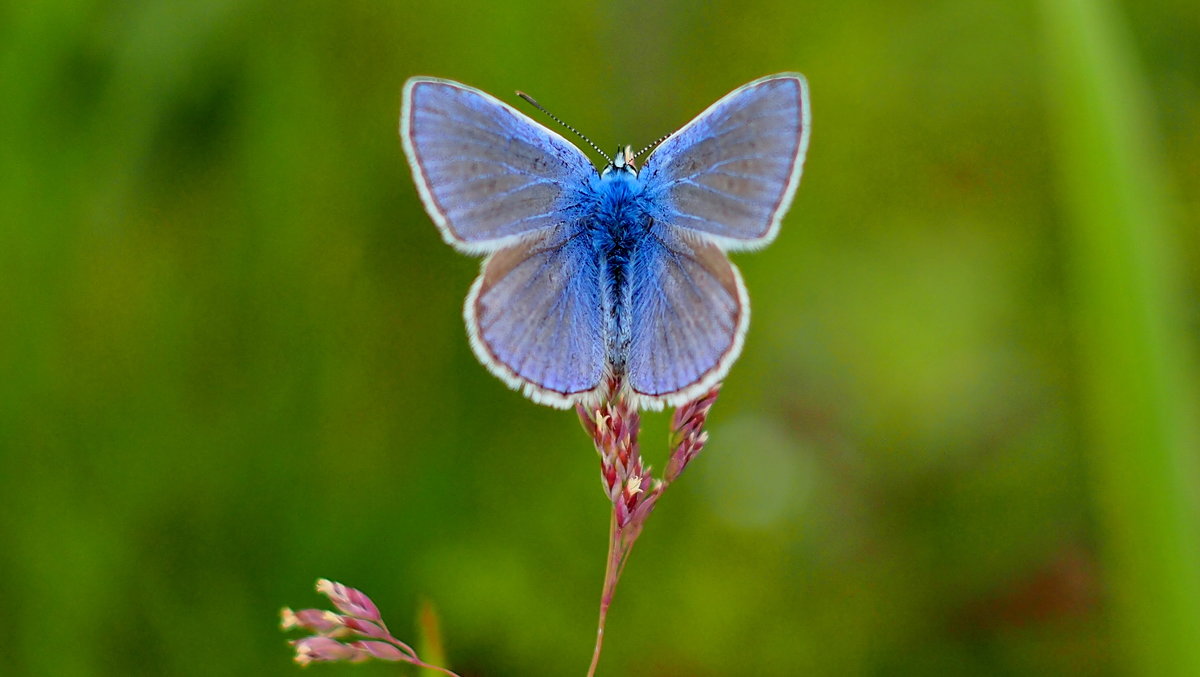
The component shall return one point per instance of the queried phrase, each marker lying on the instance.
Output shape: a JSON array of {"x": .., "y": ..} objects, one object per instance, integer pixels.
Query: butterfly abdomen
[{"x": 618, "y": 221}]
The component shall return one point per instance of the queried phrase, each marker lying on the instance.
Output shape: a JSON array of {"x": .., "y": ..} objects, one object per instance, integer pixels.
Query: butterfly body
[
  {"x": 612, "y": 277},
  {"x": 617, "y": 222}
]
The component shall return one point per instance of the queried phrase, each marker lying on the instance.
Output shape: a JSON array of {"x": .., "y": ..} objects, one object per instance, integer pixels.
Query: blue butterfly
[{"x": 610, "y": 279}]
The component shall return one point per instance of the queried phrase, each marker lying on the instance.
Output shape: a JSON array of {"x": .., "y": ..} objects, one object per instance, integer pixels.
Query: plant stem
[
  {"x": 611, "y": 574},
  {"x": 435, "y": 668}
]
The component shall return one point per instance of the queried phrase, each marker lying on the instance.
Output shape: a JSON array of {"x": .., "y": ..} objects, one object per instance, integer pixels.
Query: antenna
[
  {"x": 554, "y": 117},
  {"x": 652, "y": 144}
]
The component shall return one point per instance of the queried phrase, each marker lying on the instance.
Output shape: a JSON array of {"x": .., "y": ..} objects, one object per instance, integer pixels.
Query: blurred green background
[{"x": 232, "y": 358}]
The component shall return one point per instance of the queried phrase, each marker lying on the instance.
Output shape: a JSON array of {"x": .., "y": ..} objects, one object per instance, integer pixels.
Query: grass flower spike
[{"x": 355, "y": 635}]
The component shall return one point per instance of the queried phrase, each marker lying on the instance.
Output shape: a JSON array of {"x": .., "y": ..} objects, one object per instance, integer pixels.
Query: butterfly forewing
[
  {"x": 535, "y": 316},
  {"x": 731, "y": 172},
  {"x": 688, "y": 315},
  {"x": 486, "y": 173}
]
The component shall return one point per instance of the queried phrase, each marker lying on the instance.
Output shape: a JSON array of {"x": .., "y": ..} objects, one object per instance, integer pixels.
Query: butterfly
[{"x": 613, "y": 281}]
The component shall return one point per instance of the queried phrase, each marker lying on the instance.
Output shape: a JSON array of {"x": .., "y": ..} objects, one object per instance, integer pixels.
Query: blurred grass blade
[
  {"x": 430, "y": 646},
  {"x": 1136, "y": 374}
]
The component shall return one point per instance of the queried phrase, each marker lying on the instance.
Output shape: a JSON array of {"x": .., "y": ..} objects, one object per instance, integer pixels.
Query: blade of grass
[
  {"x": 1138, "y": 413},
  {"x": 430, "y": 644}
]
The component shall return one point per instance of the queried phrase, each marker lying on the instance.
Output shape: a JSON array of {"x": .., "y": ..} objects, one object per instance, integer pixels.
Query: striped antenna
[
  {"x": 651, "y": 145},
  {"x": 554, "y": 117}
]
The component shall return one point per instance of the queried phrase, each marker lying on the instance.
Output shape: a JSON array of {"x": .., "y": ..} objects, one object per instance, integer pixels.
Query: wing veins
[
  {"x": 709, "y": 168},
  {"x": 718, "y": 191}
]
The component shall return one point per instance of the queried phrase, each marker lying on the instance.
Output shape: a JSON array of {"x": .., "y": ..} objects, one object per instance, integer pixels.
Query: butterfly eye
[{"x": 623, "y": 160}]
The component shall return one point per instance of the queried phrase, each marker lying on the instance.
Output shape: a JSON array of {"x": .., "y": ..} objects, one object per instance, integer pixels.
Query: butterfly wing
[
  {"x": 688, "y": 314},
  {"x": 487, "y": 174},
  {"x": 721, "y": 182},
  {"x": 730, "y": 173},
  {"x": 535, "y": 316}
]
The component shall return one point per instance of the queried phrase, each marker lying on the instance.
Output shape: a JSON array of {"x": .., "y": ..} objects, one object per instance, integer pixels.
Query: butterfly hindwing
[
  {"x": 731, "y": 172},
  {"x": 487, "y": 174},
  {"x": 688, "y": 315},
  {"x": 535, "y": 316}
]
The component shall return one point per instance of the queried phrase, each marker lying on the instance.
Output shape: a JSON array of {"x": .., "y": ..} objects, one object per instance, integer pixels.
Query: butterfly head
[{"x": 622, "y": 162}]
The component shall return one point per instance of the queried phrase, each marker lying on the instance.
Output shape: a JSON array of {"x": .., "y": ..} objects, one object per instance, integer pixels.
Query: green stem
[{"x": 1137, "y": 409}]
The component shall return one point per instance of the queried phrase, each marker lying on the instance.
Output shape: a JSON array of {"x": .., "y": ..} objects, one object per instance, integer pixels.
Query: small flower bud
[
  {"x": 381, "y": 650},
  {"x": 364, "y": 628},
  {"x": 348, "y": 600},
  {"x": 315, "y": 620},
  {"x": 322, "y": 649}
]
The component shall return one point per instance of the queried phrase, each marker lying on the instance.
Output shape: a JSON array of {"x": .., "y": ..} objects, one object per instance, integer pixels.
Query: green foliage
[{"x": 232, "y": 358}]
